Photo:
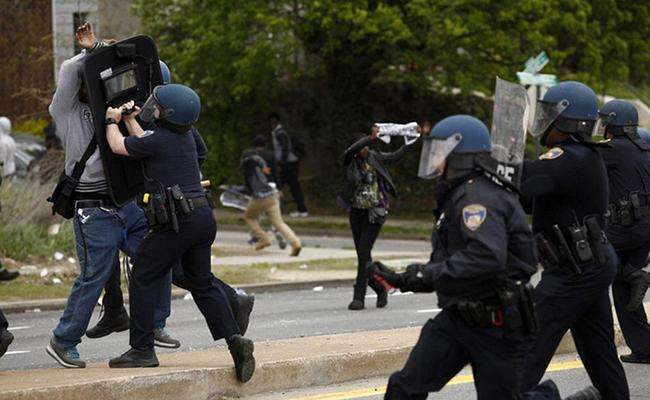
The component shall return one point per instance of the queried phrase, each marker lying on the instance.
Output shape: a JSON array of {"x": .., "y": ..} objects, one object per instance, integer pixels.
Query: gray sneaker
[
  {"x": 162, "y": 338},
  {"x": 68, "y": 358}
]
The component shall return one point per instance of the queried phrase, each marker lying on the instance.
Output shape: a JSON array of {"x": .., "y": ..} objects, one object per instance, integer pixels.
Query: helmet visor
[
  {"x": 148, "y": 109},
  {"x": 434, "y": 153},
  {"x": 545, "y": 114}
]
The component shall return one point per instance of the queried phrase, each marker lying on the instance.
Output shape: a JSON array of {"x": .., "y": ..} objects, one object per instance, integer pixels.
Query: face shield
[
  {"x": 434, "y": 153},
  {"x": 148, "y": 110},
  {"x": 545, "y": 114}
]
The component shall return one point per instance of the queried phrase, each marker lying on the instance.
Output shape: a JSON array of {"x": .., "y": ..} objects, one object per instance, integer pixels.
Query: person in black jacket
[{"x": 365, "y": 196}]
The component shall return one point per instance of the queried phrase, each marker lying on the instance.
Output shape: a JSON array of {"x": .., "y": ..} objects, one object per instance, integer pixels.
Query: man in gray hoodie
[{"x": 101, "y": 228}]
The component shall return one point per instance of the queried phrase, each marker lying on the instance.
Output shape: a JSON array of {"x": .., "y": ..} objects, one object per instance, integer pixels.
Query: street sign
[
  {"x": 527, "y": 78},
  {"x": 535, "y": 64}
]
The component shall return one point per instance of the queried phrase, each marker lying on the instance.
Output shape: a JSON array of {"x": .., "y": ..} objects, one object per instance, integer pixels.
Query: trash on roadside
[
  {"x": 303, "y": 266},
  {"x": 44, "y": 272},
  {"x": 58, "y": 256},
  {"x": 71, "y": 260},
  {"x": 273, "y": 270},
  {"x": 28, "y": 269},
  {"x": 56, "y": 281},
  {"x": 318, "y": 289},
  {"x": 53, "y": 229}
]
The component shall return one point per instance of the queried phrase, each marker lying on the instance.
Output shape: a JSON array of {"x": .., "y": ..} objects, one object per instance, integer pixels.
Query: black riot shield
[{"x": 127, "y": 70}]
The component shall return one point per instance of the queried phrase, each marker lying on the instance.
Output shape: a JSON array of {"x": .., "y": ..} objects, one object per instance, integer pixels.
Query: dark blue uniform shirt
[
  {"x": 170, "y": 158},
  {"x": 481, "y": 238},
  {"x": 567, "y": 184}
]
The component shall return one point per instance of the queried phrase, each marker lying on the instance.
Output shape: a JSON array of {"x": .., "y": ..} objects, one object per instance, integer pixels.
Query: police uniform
[
  {"x": 171, "y": 158},
  {"x": 481, "y": 247},
  {"x": 568, "y": 185}
]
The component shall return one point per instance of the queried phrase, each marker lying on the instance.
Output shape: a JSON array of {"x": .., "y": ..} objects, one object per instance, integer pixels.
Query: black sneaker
[
  {"x": 135, "y": 359},
  {"x": 6, "y": 275},
  {"x": 5, "y": 340},
  {"x": 241, "y": 350},
  {"x": 109, "y": 324},
  {"x": 245, "y": 303},
  {"x": 68, "y": 358},
  {"x": 356, "y": 305},
  {"x": 162, "y": 338},
  {"x": 590, "y": 393},
  {"x": 636, "y": 358}
]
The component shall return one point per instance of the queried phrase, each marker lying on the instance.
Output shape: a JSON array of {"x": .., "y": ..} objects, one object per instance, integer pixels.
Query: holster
[{"x": 627, "y": 211}]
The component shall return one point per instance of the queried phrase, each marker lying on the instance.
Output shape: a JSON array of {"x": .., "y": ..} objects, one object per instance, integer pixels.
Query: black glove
[
  {"x": 639, "y": 282},
  {"x": 384, "y": 276},
  {"x": 415, "y": 279}
]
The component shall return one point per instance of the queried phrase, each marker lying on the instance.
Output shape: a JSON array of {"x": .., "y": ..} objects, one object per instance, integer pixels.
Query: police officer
[
  {"x": 483, "y": 257},
  {"x": 628, "y": 167},
  {"x": 182, "y": 224},
  {"x": 569, "y": 191}
]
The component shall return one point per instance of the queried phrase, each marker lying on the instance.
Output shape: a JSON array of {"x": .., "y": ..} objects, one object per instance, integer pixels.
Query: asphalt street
[{"x": 568, "y": 374}]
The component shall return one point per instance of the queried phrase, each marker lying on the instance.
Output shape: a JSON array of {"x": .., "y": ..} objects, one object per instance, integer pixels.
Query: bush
[{"x": 24, "y": 222}]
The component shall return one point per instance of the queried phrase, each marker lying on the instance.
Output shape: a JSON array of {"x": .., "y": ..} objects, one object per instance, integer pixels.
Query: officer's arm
[
  {"x": 483, "y": 228},
  {"x": 67, "y": 88},
  {"x": 201, "y": 148},
  {"x": 350, "y": 152},
  {"x": 543, "y": 177},
  {"x": 116, "y": 140}
]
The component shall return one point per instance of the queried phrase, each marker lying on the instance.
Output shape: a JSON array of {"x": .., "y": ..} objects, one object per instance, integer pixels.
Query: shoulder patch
[
  {"x": 474, "y": 215},
  {"x": 552, "y": 154},
  {"x": 146, "y": 133}
]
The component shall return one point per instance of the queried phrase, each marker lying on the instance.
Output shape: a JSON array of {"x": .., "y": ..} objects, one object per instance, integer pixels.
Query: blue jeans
[{"x": 100, "y": 233}]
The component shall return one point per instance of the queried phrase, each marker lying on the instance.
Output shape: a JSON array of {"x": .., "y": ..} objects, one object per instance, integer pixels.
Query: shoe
[
  {"x": 162, "y": 338},
  {"x": 356, "y": 305},
  {"x": 636, "y": 358},
  {"x": 135, "y": 359},
  {"x": 245, "y": 303},
  {"x": 262, "y": 244},
  {"x": 252, "y": 240},
  {"x": 295, "y": 251},
  {"x": 68, "y": 358},
  {"x": 109, "y": 324},
  {"x": 5, "y": 340},
  {"x": 590, "y": 393},
  {"x": 6, "y": 275},
  {"x": 241, "y": 350}
]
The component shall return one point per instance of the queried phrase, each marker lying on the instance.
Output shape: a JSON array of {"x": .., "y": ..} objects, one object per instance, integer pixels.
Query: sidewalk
[{"x": 208, "y": 374}]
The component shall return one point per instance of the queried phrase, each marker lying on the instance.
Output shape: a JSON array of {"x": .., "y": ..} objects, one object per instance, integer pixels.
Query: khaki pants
[{"x": 271, "y": 207}]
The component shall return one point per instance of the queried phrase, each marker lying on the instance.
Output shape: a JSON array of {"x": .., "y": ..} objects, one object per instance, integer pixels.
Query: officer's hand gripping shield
[
  {"x": 127, "y": 70},
  {"x": 509, "y": 123},
  {"x": 434, "y": 154}
]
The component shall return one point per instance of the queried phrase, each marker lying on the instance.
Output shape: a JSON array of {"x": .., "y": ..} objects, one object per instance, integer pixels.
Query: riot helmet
[
  {"x": 570, "y": 107},
  {"x": 618, "y": 117},
  {"x": 457, "y": 135},
  {"x": 166, "y": 74},
  {"x": 177, "y": 104}
]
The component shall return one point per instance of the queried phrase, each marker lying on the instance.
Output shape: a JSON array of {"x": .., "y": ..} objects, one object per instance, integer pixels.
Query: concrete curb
[
  {"x": 337, "y": 359},
  {"x": 14, "y": 307}
]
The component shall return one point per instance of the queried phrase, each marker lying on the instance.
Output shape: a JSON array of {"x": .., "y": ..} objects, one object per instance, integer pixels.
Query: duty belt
[
  {"x": 626, "y": 211},
  {"x": 162, "y": 209},
  {"x": 573, "y": 247}
]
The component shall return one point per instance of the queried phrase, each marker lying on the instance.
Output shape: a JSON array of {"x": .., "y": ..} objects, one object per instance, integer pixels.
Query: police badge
[{"x": 474, "y": 215}]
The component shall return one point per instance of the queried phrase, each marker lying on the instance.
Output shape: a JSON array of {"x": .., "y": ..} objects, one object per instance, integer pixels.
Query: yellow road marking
[{"x": 458, "y": 380}]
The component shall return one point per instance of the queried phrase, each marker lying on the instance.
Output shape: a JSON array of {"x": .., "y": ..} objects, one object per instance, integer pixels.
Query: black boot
[
  {"x": 242, "y": 311},
  {"x": 636, "y": 358},
  {"x": 358, "y": 298},
  {"x": 5, "y": 340},
  {"x": 241, "y": 350},
  {"x": 590, "y": 393},
  {"x": 109, "y": 323},
  {"x": 382, "y": 294},
  {"x": 135, "y": 359}
]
